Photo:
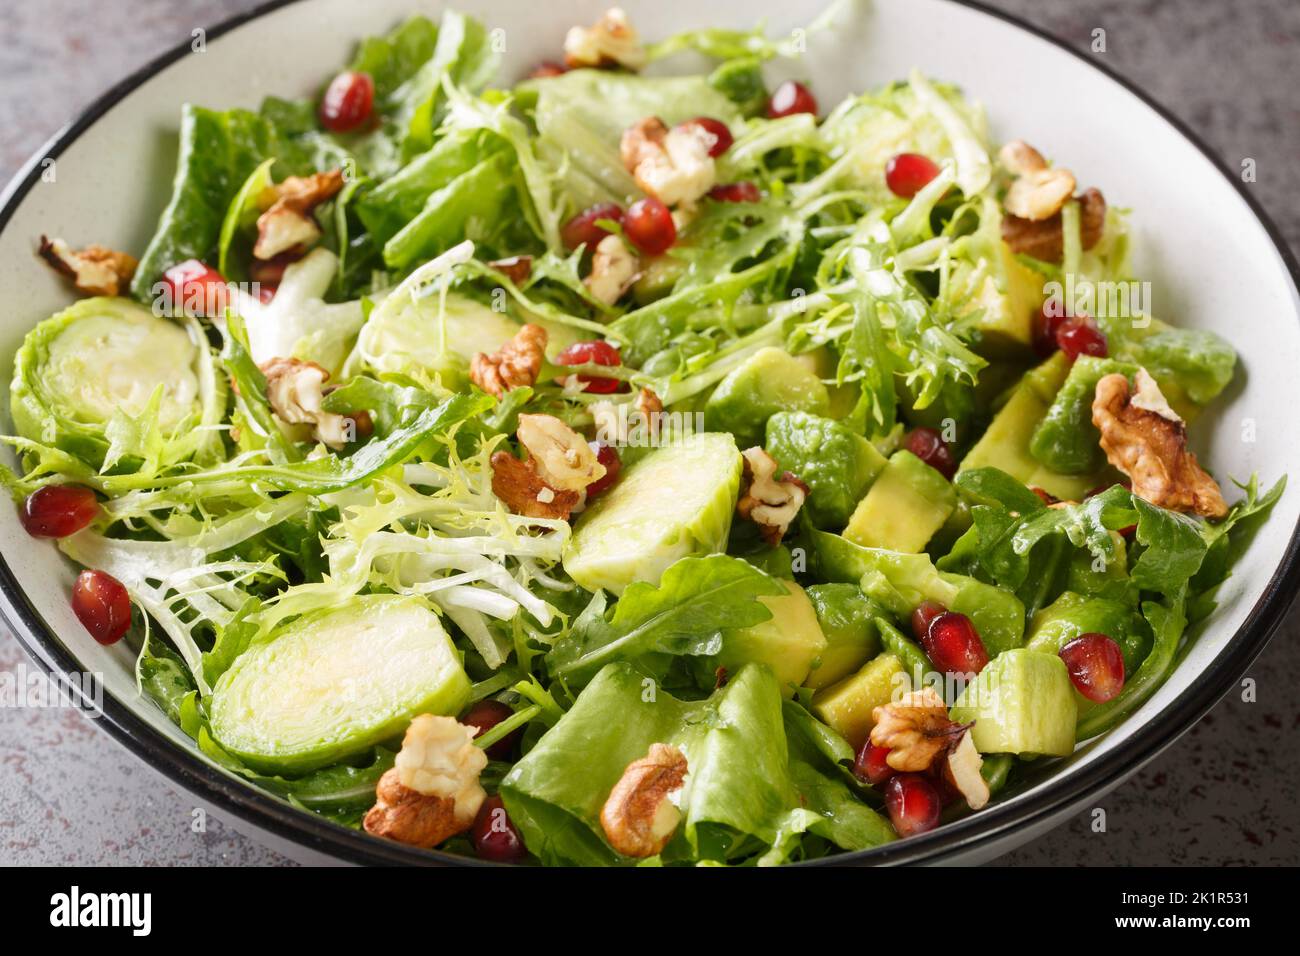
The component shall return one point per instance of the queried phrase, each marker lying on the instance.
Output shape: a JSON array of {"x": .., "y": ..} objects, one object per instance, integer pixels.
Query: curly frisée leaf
[{"x": 696, "y": 599}]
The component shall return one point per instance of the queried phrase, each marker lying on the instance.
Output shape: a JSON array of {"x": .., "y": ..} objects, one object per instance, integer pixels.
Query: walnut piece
[
  {"x": 673, "y": 165},
  {"x": 287, "y": 222},
  {"x": 1045, "y": 239},
  {"x": 295, "y": 390},
  {"x": 1151, "y": 448},
  {"x": 1039, "y": 190},
  {"x": 614, "y": 267},
  {"x": 514, "y": 365},
  {"x": 94, "y": 270},
  {"x": 915, "y": 729},
  {"x": 961, "y": 768},
  {"x": 432, "y": 791},
  {"x": 610, "y": 41},
  {"x": 771, "y": 502},
  {"x": 562, "y": 457},
  {"x": 638, "y": 818},
  {"x": 524, "y": 492}
]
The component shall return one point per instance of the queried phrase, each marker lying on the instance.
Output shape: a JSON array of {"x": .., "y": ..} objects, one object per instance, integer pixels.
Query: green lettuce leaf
[{"x": 696, "y": 599}]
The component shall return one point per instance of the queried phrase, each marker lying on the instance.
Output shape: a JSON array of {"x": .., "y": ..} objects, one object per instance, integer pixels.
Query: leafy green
[{"x": 696, "y": 599}]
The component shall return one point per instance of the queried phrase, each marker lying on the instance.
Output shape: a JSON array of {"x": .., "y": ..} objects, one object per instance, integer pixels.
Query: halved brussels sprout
[
  {"x": 675, "y": 502},
  {"x": 406, "y": 332},
  {"x": 98, "y": 357},
  {"x": 336, "y": 682}
]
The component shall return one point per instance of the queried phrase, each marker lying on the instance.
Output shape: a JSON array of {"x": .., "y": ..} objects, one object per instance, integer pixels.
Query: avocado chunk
[
  {"x": 905, "y": 506},
  {"x": 899, "y": 582},
  {"x": 1007, "y": 304},
  {"x": 788, "y": 642},
  {"x": 770, "y": 381},
  {"x": 1071, "y": 615},
  {"x": 335, "y": 683},
  {"x": 847, "y": 618},
  {"x": 675, "y": 502},
  {"x": 846, "y": 706},
  {"x": 836, "y": 463},
  {"x": 1021, "y": 703},
  {"x": 1005, "y": 443},
  {"x": 1066, "y": 440}
]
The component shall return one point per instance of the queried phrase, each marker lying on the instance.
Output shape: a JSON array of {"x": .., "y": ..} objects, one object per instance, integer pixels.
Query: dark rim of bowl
[{"x": 271, "y": 815}]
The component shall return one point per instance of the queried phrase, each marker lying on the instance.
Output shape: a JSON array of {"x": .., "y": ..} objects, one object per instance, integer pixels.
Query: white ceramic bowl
[{"x": 1213, "y": 259}]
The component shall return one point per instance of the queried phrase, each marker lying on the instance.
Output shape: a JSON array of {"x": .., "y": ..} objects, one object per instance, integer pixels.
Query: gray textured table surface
[{"x": 1227, "y": 793}]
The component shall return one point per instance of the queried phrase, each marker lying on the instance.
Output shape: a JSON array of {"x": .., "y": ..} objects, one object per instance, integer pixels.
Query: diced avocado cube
[
  {"x": 788, "y": 642},
  {"x": 1007, "y": 305},
  {"x": 836, "y": 463},
  {"x": 1066, "y": 440},
  {"x": 770, "y": 381},
  {"x": 1021, "y": 703},
  {"x": 1005, "y": 444},
  {"x": 676, "y": 501},
  {"x": 899, "y": 582},
  {"x": 846, "y": 706},
  {"x": 847, "y": 617},
  {"x": 1071, "y": 615},
  {"x": 904, "y": 507}
]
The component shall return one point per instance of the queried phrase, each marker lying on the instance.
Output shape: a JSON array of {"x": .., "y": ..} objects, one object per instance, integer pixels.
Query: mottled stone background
[{"x": 1227, "y": 793}]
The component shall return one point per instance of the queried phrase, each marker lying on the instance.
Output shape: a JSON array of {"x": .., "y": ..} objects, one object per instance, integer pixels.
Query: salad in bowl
[{"x": 629, "y": 465}]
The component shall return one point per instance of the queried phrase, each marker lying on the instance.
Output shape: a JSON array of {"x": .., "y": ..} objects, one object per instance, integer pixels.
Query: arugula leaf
[
  {"x": 1175, "y": 548},
  {"x": 686, "y": 613}
]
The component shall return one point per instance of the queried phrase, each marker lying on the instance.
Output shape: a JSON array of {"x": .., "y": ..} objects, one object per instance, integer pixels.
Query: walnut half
[
  {"x": 94, "y": 270},
  {"x": 638, "y": 818},
  {"x": 610, "y": 41},
  {"x": 1141, "y": 440},
  {"x": 771, "y": 502},
  {"x": 295, "y": 390},
  {"x": 432, "y": 792},
  {"x": 287, "y": 222},
  {"x": 515, "y": 364},
  {"x": 915, "y": 729},
  {"x": 1045, "y": 239},
  {"x": 673, "y": 165}
]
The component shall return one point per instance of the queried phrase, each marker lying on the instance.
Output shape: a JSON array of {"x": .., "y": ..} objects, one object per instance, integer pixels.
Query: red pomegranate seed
[
  {"x": 929, "y": 446},
  {"x": 593, "y": 353},
  {"x": 790, "y": 98},
  {"x": 649, "y": 226},
  {"x": 870, "y": 764},
  {"x": 265, "y": 293},
  {"x": 607, "y": 455},
  {"x": 913, "y": 803},
  {"x": 547, "y": 68},
  {"x": 924, "y": 616},
  {"x": 101, "y": 603},
  {"x": 954, "y": 646},
  {"x": 56, "y": 511},
  {"x": 1096, "y": 666},
  {"x": 195, "y": 288},
  {"x": 722, "y": 138},
  {"x": 1080, "y": 336},
  {"x": 486, "y": 714},
  {"x": 494, "y": 835},
  {"x": 1044, "y": 331},
  {"x": 582, "y": 228},
  {"x": 736, "y": 192},
  {"x": 347, "y": 102},
  {"x": 907, "y": 173},
  {"x": 516, "y": 268}
]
